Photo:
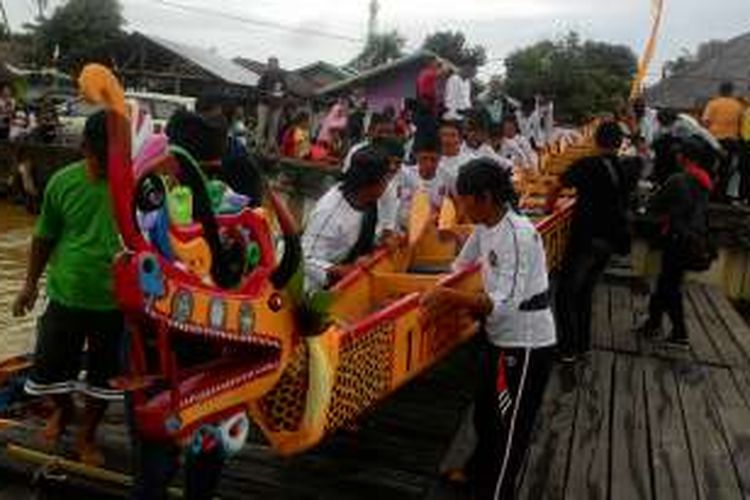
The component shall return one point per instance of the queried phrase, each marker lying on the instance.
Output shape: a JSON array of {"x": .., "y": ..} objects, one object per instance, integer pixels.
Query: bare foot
[
  {"x": 89, "y": 454},
  {"x": 456, "y": 476},
  {"x": 55, "y": 428}
]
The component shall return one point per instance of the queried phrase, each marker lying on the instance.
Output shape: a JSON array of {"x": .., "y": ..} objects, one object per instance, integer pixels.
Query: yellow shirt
[
  {"x": 745, "y": 131},
  {"x": 723, "y": 116}
]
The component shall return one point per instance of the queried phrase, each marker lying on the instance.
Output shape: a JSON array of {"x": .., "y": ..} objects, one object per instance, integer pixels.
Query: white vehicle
[{"x": 73, "y": 113}]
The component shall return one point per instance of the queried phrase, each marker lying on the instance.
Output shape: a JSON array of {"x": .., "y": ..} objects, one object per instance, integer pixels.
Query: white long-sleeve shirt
[
  {"x": 331, "y": 231},
  {"x": 519, "y": 152},
  {"x": 457, "y": 96},
  {"x": 486, "y": 151},
  {"x": 514, "y": 269},
  {"x": 449, "y": 168},
  {"x": 408, "y": 182}
]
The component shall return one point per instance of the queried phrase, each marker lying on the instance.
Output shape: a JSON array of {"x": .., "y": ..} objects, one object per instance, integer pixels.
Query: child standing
[{"x": 517, "y": 352}]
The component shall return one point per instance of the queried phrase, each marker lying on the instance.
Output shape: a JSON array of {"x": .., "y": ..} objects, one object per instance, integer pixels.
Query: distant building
[
  {"x": 321, "y": 74},
  {"x": 155, "y": 64},
  {"x": 691, "y": 88},
  {"x": 303, "y": 82},
  {"x": 385, "y": 85}
]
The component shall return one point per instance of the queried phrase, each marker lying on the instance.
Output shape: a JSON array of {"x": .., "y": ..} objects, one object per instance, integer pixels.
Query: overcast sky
[{"x": 500, "y": 25}]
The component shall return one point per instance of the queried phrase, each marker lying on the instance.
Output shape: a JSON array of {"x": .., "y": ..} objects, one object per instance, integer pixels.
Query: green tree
[
  {"x": 583, "y": 78},
  {"x": 380, "y": 49},
  {"x": 451, "y": 45},
  {"x": 78, "y": 28}
]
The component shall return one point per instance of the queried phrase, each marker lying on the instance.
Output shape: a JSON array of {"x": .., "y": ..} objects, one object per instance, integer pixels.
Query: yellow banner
[{"x": 657, "y": 10}]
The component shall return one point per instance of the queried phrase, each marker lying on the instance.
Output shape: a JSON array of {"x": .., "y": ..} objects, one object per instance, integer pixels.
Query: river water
[{"x": 16, "y": 226}]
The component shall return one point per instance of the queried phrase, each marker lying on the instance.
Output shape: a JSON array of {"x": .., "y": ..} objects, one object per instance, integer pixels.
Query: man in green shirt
[{"x": 76, "y": 240}]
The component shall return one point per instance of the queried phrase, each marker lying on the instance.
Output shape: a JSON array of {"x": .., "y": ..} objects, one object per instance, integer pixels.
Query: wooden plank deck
[
  {"x": 675, "y": 423},
  {"x": 635, "y": 420}
]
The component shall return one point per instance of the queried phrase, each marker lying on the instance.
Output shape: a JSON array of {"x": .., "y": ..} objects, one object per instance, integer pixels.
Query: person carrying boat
[
  {"x": 76, "y": 240},
  {"x": 519, "y": 328},
  {"x": 342, "y": 226}
]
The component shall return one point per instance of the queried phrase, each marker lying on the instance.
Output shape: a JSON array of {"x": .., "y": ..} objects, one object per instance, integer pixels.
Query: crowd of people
[
  {"x": 36, "y": 121},
  {"x": 326, "y": 131},
  {"x": 446, "y": 143}
]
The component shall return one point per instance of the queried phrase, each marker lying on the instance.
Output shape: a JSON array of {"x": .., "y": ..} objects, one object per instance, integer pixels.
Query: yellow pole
[
  {"x": 657, "y": 10},
  {"x": 17, "y": 452}
]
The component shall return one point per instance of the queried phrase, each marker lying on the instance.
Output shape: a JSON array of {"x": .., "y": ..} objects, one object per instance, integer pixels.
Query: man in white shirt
[
  {"x": 458, "y": 94},
  {"x": 342, "y": 226},
  {"x": 519, "y": 326}
]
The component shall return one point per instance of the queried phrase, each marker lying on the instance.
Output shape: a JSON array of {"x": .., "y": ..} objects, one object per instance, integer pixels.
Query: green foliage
[
  {"x": 380, "y": 49},
  {"x": 451, "y": 45},
  {"x": 583, "y": 78},
  {"x": 311, "y": 310},
  {"x": 78, "y": 28}
]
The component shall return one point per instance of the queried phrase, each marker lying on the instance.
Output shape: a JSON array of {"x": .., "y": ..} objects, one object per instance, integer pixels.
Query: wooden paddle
[
  {"x": 448, "y": 215},
  {"x": 420, "y": 216}
]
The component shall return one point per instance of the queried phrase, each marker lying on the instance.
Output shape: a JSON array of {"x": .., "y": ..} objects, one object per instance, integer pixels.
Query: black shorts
[{"x": 61, "y": 334}]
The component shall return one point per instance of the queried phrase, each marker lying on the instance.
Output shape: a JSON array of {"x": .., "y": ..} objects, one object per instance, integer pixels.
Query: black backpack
[
  {"x": 698, "y": 248},
  {"x": 620, "y": 236}
]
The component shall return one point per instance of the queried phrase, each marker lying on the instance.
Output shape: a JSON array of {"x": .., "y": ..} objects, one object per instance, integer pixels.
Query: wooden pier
[{"x": 635, "y": 420}]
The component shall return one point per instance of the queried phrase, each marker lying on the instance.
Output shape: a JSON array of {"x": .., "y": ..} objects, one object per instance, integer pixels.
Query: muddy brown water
[{"x": 16, "y": 227}]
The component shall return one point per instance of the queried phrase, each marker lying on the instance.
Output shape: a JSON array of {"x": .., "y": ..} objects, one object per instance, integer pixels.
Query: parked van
[{"x": 73, "y": 113}]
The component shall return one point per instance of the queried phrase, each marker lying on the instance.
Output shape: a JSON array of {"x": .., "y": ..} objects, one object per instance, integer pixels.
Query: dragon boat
[{"x": 212, "y": 290}]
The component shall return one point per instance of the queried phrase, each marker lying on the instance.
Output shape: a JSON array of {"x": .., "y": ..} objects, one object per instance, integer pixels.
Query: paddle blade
[
  {"x": 448, "y": 215},
  {"x": 419, "y": 217}
]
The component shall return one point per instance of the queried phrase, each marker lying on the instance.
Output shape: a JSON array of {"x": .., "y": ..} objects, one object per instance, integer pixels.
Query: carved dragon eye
[{"x": 275, "y": 302}]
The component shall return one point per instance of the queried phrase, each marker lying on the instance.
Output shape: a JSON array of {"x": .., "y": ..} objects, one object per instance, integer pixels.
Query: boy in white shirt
[
  {"x": 477, "y": 138},
  {"x": 453, "y": 154},
  {"x": 420, "y": 177},
  {"x": 342, "y": 226},
  {"x": 516, "y": 148},
  {"x": 520, "y": 332}
]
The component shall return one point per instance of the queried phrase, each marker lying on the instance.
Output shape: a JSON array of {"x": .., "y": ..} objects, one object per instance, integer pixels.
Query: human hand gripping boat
[{"x": 216, "y": 317}]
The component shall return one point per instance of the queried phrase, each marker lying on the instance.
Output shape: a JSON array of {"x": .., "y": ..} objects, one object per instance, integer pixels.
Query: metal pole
[{"x": 5, "y": 17}]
